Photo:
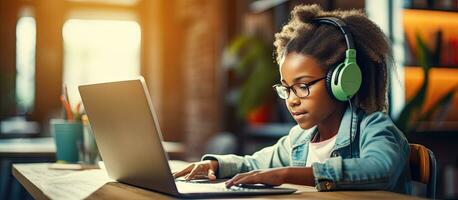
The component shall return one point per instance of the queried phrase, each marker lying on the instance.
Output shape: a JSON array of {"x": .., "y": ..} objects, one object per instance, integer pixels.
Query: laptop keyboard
[{"x": 217, "y": 186}]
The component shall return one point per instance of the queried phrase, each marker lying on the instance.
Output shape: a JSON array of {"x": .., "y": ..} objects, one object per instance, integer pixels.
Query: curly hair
[{"x": 327, "y": 45}]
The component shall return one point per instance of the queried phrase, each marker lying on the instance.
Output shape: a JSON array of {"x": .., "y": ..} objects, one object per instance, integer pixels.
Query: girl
[{"x": 334, "y": 68}]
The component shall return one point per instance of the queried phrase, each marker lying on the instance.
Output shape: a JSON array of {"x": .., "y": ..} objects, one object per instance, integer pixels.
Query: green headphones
[{"x": 344, "y": 80}]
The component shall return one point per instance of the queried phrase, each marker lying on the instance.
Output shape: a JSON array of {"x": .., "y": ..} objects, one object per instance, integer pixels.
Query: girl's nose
[{"x": 293, "y": 100}]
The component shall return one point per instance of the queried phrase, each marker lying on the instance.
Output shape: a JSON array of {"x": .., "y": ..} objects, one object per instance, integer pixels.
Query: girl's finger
[
  {"x": 231, "y": 181},
  {"x": 183, "y": 172},
  {"x": 194, "y": 171},
  {"x": 200, "y": 176},
  {"x": 211, "y": 175},
  {"x": 251, "y": 179}
]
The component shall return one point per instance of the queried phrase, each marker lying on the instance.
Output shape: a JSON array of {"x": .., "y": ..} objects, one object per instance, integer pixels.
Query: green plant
[
  {"x": 411, "y": 114},
  {"x": 254, "y": 69}
]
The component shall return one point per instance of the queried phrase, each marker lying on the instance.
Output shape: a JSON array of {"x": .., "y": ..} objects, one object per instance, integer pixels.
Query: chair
[{"x": 423, "y": 168}]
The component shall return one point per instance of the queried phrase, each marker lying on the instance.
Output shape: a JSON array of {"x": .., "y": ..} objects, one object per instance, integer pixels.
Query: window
[
  {"x": 25, "y": 64},
  {"x": 99, "y": 50}
]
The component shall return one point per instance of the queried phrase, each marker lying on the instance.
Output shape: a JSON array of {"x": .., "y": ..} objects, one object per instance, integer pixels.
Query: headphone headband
[
  {"x": 342, "y": 27},
  {"x": 343, "y": 80}
]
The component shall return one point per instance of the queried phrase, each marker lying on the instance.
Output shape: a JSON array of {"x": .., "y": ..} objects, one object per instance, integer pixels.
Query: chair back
[{"x": 423, "y": 168}]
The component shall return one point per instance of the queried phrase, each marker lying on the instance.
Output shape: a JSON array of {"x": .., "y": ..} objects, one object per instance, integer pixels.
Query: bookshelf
[
  {"x": 427, "y": 23},
  {"x": 444, "y": 75},
  {"x": 442, "y": 80}
]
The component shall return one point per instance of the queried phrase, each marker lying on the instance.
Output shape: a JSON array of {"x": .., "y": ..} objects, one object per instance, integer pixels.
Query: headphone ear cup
[
  {"x": 345, "y": 81},
  {"x": 329, "y": 81}
]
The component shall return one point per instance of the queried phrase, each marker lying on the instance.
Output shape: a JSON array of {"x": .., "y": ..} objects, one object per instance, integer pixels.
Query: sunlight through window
[
  {"x": 25, "y": 64},
  {"x": 99, "y": 50}
]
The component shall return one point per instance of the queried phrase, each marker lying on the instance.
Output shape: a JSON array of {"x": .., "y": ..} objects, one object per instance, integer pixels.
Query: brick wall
[{"x": 202, "y": 46}]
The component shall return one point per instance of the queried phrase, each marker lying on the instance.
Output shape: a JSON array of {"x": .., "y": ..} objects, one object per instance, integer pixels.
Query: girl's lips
[{"x": 299, "y": 115}]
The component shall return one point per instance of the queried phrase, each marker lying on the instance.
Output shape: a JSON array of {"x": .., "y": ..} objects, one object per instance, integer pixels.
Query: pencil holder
[{"x": 68, "y": 137}]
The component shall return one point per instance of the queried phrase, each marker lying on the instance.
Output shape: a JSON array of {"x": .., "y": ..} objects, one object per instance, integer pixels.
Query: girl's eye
[{"x": 303, "y": 86}]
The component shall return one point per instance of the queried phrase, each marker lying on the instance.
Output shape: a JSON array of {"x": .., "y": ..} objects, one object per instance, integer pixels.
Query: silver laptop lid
[{"x": 127, "y": 133}]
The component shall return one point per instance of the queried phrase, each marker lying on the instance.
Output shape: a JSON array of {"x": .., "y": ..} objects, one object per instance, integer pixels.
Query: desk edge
[{"x": 33, "y": 190}]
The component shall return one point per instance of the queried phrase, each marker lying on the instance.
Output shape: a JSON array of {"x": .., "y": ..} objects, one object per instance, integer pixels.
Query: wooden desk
[
  {"x": 44, "y": 183},
  {"x": 41, "y": 150}
]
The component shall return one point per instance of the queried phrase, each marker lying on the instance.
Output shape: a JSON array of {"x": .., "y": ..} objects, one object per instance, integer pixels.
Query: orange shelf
[
  {"x": 428, "y": 22},
  {"x": 442, "y": 80}
]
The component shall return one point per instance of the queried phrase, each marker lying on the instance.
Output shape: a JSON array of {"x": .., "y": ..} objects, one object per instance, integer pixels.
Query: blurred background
[{"x": 209, "y": 66}]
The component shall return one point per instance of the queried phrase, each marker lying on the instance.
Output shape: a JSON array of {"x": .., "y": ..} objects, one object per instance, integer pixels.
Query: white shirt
[{"x": 320, "y": 151}]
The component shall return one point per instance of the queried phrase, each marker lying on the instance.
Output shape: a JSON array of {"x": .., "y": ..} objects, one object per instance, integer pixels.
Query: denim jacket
[{"x": 379, "y": 160}]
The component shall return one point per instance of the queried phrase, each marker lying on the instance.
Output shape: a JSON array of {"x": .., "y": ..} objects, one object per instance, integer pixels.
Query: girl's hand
[
  {"x": 199, "y": 170},
  {"x": 273, "y": 177}
]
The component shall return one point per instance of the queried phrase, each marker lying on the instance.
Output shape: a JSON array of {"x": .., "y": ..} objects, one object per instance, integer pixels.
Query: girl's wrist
[
  {"x": 285, "y": 174},
  {"x": 214, "y": 166},
  {"x": 299, "y": 175}
]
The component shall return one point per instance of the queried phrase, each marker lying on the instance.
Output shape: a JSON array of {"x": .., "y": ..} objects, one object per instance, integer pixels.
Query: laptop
[{"x": 129, "y": 139}]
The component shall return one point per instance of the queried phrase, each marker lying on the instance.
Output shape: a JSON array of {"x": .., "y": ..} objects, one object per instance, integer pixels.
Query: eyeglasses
[{"x": 300, "y": 89}]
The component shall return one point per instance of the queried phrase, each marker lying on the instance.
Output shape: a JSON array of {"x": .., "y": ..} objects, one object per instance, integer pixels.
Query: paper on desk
[
  {"x": 78, "y": 185},
  {"x": 67, "y": 166}
]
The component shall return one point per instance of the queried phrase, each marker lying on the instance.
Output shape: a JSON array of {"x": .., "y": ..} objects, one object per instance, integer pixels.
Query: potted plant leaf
[{"x": 256, "y": 72}]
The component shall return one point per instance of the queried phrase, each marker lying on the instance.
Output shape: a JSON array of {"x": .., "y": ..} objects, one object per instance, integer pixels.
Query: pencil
[{"x": 68, "y": 110}]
